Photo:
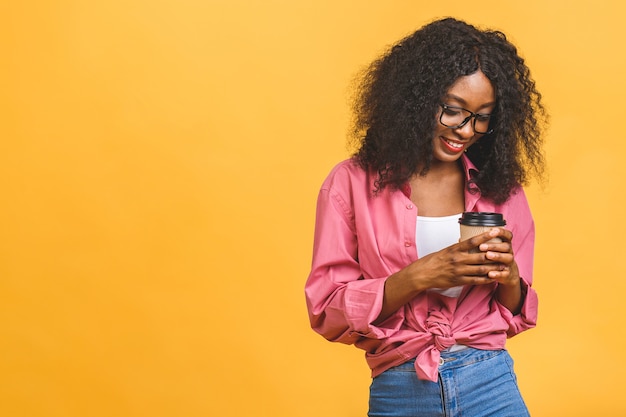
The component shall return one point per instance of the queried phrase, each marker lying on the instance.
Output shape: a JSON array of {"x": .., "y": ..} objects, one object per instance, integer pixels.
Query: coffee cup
[{"x": 475, "y": 223}]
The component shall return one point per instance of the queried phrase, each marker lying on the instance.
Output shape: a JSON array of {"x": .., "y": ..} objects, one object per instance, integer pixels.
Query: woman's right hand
[{"x": 458, "y": 264}]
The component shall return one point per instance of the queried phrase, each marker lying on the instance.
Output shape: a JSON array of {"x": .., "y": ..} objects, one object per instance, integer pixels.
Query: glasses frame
[{"x": 472, "y": 115}]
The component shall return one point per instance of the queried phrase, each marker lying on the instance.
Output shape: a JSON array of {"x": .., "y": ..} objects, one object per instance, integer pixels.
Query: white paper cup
[{"x": 475, "y": 223}]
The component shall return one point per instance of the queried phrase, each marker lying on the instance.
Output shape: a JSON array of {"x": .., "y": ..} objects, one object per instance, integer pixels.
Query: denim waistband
[{"x": 450, "y": 360}]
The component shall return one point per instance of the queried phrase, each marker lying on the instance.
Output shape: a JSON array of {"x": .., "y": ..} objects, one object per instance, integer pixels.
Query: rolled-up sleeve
[{"x": 342, "y": 304}]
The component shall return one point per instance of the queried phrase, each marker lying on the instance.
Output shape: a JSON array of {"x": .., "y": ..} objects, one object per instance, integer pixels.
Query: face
[{"x": 472, "y": 92}]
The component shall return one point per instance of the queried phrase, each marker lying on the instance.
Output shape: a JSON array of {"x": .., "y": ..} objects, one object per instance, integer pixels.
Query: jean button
[{"x": 441, "y": 361}]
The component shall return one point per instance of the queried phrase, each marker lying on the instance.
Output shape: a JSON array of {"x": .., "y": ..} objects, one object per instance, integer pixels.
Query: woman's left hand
[
  {"x": 509, "y": 291},
  {"x": 501, "y": 253}
]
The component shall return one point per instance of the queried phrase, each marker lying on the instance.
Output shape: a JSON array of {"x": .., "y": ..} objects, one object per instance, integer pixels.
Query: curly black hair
[{"x": 399, "y": 93}]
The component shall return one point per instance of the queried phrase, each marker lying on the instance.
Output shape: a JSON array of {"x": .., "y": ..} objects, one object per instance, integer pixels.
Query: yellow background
[{"x": 159, "y": 165}]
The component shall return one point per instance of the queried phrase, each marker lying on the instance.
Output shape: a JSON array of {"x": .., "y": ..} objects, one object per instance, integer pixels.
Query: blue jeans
[{"x": 472, "y": 383}]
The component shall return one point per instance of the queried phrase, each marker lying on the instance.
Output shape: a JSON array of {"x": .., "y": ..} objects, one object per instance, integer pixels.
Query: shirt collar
[
  {"x": 470, "y": 168},
  {"x": 472, "y": 192}
]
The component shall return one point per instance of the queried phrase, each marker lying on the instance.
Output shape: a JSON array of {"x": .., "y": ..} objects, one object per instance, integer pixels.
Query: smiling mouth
[{"x": 453, "y": 145}]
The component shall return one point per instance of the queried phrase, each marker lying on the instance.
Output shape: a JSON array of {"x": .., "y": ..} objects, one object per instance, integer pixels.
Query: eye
[{"x": 482, "y": 117}]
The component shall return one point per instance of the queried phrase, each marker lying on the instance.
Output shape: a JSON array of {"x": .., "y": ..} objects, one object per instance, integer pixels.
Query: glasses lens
[
  {"x": 481, "y": 123},
  {"x": 456, "y": 117}
]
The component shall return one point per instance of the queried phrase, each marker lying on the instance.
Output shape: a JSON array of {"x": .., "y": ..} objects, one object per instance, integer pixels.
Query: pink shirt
[{"x": 361, "y": 239}]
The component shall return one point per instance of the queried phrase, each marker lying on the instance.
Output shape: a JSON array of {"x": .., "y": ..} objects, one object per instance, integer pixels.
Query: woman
[{"x": 448, "y": 120}]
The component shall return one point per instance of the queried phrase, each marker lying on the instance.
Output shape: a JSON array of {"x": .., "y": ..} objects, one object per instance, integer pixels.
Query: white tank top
[{"x": 435, "y": 233}]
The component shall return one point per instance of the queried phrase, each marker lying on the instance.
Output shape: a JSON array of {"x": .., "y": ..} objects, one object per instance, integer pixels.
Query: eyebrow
[{"x": 464, "y": 103}]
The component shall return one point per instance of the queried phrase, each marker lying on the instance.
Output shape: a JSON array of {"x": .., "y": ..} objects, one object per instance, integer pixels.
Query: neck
[{"x": 441, "y": 191}]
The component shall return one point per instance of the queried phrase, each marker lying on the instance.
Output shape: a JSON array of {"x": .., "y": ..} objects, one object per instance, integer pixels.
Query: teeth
[{"x": 454, "y": 144}]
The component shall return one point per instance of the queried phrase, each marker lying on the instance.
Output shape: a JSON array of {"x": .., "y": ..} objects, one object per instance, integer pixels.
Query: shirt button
[
  {"x": 409, "y": 206},
  {"x": 407, "y": 244}
]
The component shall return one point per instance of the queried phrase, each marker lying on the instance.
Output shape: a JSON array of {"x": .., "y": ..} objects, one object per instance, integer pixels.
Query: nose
[{"x": 466, "y": 131}]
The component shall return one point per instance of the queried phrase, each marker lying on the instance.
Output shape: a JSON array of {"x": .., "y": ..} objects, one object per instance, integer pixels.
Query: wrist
[
  {"x": 512, "y": 295},
  {"x": 412, "y": 284}
]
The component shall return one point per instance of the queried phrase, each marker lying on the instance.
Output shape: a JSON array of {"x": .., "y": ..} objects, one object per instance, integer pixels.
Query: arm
[
  {"x": 449, "y": 267},
  {"x": 341, "y": 303},
  {"x": 516, "y": 298}
]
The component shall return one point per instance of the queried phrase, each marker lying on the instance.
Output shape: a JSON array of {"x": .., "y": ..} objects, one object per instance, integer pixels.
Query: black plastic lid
[{"x": 482, "y": 218}]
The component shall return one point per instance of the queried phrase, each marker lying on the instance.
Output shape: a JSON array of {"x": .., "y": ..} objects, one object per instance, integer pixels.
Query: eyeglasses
[{"x": 457, "y": 117}]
